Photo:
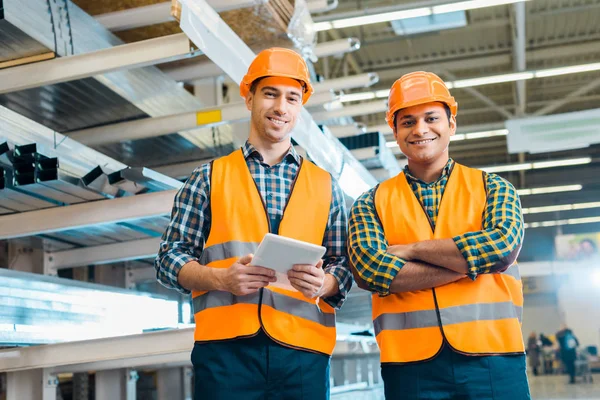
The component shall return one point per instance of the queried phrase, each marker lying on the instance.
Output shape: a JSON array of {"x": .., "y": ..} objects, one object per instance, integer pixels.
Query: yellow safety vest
[
  {"x": 481, "y": 317},
  {"x": 239, "y": 221}
]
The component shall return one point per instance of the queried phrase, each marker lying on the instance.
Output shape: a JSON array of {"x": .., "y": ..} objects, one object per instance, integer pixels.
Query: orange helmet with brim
[
  {"x": 280, "y": 62},
  {"x": 418, "y": 88}
]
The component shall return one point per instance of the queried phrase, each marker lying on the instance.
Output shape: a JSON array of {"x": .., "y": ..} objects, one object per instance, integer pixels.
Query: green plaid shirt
[{"x": 484, "y": 250}]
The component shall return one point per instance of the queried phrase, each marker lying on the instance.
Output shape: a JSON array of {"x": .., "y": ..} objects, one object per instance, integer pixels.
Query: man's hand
[
  {"x": 404, "y": 251},
  {"x": 308, "y": 279},
  {"x": 241, "y": 278}
]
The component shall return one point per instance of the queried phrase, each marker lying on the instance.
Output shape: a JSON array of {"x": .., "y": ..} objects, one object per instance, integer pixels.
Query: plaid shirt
[
  {"x": 184, "y": 239},
  {"x": 484, "y": 250}
]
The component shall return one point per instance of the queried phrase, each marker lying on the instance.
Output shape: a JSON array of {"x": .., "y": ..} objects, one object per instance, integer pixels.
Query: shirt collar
[
  {"x": 445, "y": 172},
  {"x": 250, "y": 151}
]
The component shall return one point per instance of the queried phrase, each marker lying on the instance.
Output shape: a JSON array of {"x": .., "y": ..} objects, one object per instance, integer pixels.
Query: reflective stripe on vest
[
  {"x": 276, "y": 300},
  {"x": 451, "y": 315},
  {"x": 239, "y": 222},
  {"x": 223, "y": 251},
  {"x": 475, "y": 317}
]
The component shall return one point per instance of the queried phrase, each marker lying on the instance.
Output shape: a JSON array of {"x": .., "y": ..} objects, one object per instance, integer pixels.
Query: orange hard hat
[
  {"x": 281, "y": 62},
  {"x": 418, "y": 88}
]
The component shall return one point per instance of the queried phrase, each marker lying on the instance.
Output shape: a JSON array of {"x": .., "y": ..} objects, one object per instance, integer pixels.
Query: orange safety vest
[
  {"x": 239, "y": 222},
  {"x": 481, "y": 317}
]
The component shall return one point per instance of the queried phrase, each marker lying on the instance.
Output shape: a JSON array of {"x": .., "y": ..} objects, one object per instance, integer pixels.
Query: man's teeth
[
  {"x": 423, "y": 141},
  {"x": 276, "y": 121}
]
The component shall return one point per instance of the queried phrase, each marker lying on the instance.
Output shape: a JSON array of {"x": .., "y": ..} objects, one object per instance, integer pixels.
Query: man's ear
[
  {"x": 452, "y": 125},
  {"x": 248, "y": 100}
]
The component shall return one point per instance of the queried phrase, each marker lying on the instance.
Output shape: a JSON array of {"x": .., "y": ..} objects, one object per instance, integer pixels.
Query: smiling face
[
  {"x": 423, "y": 133},
  {"x": 275, "y": 105}
]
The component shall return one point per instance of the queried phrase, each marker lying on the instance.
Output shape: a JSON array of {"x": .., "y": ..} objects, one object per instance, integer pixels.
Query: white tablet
[{"x": 282, "y": 253}]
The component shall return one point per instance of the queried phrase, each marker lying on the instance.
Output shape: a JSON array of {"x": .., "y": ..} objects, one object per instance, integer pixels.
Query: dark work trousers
[
  {"x": 451, "y": 375},
  {"x": 258, "y": 368}
]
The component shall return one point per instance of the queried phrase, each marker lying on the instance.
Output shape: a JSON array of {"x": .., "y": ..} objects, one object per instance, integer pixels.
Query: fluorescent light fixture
[
  {"x": 380, "y": 94},
  {"x": 410, "y": 13},
  {"x": 575, "y": 69},
  {"x": 508, "y": 168},
  {"x": 486, "y": 134},
  {"x": 537, "y": 165},
  {"x": 571, "y": 221},
  {"x": 549, "y": 189},
  {"x": 488, "y": 80},
  {"x": 470, "y": 5},
  {"x": 514, "y": 77},
  {"x": 346, "y": 98},
  {"x": 562, "y": 207},
  {"x": 561, "y": 163}
]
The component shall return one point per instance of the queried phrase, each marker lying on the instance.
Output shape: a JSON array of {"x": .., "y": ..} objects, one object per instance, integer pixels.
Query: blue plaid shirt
[
  {"x": 484, "y": 250},
  {"x": 183, "y": 241}
]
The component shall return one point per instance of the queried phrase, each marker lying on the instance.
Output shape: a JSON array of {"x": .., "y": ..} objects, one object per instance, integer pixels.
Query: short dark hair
[
  {"x": 255, "y": 83},
  {"x": 448, "y": 113}
]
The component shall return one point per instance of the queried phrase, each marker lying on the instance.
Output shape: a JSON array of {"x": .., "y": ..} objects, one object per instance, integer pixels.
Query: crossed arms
[{"x": 385, "y": 269}]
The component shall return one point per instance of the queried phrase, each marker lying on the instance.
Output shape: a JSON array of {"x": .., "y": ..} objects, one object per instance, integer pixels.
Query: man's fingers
[
  {"x": 254, "y": 270},
  {"x": 303, "y": 276},
  {"x": 257, "y": 278},
  {"x": 307, "y": 268},
  {"x": 302, "y": 284},
  {"x": 247, "y": 259}
]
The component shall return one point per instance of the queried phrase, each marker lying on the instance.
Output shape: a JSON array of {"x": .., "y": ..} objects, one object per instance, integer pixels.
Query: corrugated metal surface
[
  {"x": 71, "y": 106},
  {"x": 16, "y": 44}
]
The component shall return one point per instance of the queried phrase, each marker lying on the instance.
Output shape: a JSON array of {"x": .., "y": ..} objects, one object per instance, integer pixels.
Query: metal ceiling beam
[
  {"x": 394, "y": 70},
  {"x": 123, "y": 57},
  {"x": 160, "y": 13},
  {"x": 352, "y": 111},
  {"x": 575, "y": 95},
  {"x": 139, "y": 17},
  {"x": 207, "y": 69},
  {"x": 477, "y": 94},
  {"x": 105, "y": 254},
  {"x": 519, "y": 38},
  {"x": 350, "y": 59},
  {"x": 216, "y": 39},
  {"x": 86, "y": 214},
  {"x": 338, "y": 46},
  {"x": 159, "y": 126},
  {"x": 146, "y": 88}
]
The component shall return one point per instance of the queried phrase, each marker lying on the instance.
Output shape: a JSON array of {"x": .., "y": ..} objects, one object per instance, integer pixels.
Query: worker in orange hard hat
[
  {"x": 437, "y": 246},
  {"x": 255, "y": 340}
]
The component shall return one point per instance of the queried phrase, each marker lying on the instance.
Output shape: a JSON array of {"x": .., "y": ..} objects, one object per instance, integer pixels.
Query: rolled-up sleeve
[
  {"x": 183, "y": 240},
  {"x": 367, "y": 247},
  {"x": 497, "y": 246},
  {"x": 336, "y": 261}
]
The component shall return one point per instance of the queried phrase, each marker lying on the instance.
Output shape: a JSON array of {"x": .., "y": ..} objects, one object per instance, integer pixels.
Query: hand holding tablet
[{"x": 281, "y": 253}]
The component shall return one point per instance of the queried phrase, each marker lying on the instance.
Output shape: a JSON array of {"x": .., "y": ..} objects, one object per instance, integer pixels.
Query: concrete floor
[
  {"x": 546, "y": 387},
  {"x": 555, "y": 387}
]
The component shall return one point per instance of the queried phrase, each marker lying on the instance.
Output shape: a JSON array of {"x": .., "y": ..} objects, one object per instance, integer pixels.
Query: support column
[
  {"x": 81, "y": 386},
  {"x": 188, "y": 376},
  {"x": 26, "y": 255},
  {"x": 118, "y": 384},
  {"x": 169, "y": 384},
  {"x": 209, "y": 91},
  {"x": 31, "y": 385}
]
